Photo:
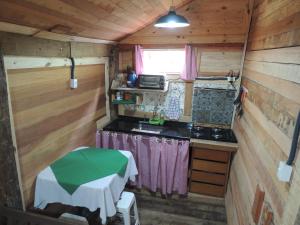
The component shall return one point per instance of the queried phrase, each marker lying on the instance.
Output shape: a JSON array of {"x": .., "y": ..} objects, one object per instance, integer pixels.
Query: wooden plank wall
[
  {"x": 211, "y": 21},
  {"x": 51, "y": 119},
  {"x": 212, "y": 60},
  {"x": 126, "y": 58},
  {"x": 218, "y": 62},
  {"x": 10, "y": 193},
  {"x": 272, "y": 76},
  {"x": 21, "y": 45},
  {"x": 105, "y": 19}
]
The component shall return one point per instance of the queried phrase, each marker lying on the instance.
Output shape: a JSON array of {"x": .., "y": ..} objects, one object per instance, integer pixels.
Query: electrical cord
[{"x": 294, "y": 142}]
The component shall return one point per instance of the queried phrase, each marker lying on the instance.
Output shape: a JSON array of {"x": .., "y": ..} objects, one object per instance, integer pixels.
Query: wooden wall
[
  {"x": 50, "y": 118},
  {"x": 218, "y": 62},
  {"x": 105, "y": 19},
  {"x": 272, "y": 76},
  {"x": 212, "y": 60},
  {"x": 217, "y": 29},
  {"x": 21, "y": 45},
  {"x": 126, "y": 58},
  {"x": 211, "y": 21},
  {"x": 10, "y": 193}
]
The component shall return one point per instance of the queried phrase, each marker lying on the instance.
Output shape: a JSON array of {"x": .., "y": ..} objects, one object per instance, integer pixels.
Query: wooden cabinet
[{"x": 209, "y": 168}]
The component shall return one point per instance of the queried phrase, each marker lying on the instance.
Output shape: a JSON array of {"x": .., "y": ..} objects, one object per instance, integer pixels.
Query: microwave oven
[{"x": 151, "y": 81}]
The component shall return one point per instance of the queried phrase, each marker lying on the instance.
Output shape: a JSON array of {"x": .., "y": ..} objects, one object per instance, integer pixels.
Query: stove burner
[
  {"x": 198, "y": 128},
  {"x": 217, "y": 136},
  {"x": 198, "y": 134},
  {"x": 216, "y": 130},
  {"x": 212, "y": 133}
]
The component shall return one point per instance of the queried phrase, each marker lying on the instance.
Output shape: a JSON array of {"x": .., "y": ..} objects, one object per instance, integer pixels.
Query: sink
[
  {"x": 147, "y": 128},
  {"x": 146, "y": 131}
]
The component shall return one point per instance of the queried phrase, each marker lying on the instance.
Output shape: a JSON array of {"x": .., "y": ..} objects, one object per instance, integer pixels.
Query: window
[{"x": 163, "y": 61}]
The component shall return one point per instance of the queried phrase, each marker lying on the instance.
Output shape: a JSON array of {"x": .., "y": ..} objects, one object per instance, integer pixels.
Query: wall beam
[{"x": 10, "y": 194}]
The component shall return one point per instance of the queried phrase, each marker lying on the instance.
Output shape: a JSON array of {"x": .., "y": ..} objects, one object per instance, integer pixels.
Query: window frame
[{"x": 169, "y": 73}]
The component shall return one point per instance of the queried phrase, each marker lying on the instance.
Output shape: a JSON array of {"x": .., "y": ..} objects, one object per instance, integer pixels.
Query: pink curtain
[
  {"x": 138, "y": 59},
  {"x": 162, "y": 163},
  {"x": 190, "y": 66}
]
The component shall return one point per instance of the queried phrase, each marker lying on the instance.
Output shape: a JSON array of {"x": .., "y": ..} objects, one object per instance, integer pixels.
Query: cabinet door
[
  {"x": 213, "y": 155},
  {"x": 208, "y": 189},
  {"x": 209, "y": 166},
  {"x": 209, "y": 171},
  {"x": 211, "y": 178}
]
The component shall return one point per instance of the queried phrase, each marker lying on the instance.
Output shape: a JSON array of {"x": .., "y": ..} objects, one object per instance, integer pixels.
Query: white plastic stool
[{"x": 124, "y": 205}]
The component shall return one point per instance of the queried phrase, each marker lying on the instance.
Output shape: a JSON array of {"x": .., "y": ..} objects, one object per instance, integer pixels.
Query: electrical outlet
[
  {"x": 284, "y": 172},
  {"x": 73, "y": 83}
]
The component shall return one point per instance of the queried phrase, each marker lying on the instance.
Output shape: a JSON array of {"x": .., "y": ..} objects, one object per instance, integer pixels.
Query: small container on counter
[
  {"x": 127, "y": 96},
  {"x": 119, "y": 95}
]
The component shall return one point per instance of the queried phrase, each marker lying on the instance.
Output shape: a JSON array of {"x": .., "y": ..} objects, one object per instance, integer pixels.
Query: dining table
[{"x": 102, "y": 193}]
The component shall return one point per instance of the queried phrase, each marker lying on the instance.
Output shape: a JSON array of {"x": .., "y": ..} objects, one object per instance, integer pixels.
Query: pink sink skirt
[{"x": 162, "y": 163}]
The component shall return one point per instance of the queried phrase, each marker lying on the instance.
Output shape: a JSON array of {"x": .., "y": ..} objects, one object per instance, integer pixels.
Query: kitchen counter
[
  {"x": 210, "y": 149},
  {"x": 171, "y": 129}
]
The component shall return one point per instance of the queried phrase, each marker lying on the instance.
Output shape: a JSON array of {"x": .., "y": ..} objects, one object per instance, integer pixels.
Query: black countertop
[{"x": 171, "y": 129}]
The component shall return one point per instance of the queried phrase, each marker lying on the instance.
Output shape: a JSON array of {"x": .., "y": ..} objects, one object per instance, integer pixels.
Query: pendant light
[{"x": 172, "y": 20}]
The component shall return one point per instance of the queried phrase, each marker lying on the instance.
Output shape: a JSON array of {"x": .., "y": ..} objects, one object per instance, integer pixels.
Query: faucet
[
  {"x": 162, "y": 114},
  {"x": 141, "y": 122},
  {"x": 155, "y": 111}
]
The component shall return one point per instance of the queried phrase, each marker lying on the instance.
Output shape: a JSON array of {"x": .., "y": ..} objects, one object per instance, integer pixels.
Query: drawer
[
  {"x": 214, "y": 155},
  {"x": 208, "y": 177},
  {"x": 207, "y": 189},
  {"x": 208, "y": 166}
]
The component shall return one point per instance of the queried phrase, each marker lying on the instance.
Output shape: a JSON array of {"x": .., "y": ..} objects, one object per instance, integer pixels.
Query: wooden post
[
  {"x": 113, "y": 72},
  {"x": 10, "y": 193},
  {"x": 248, "y": 24}
]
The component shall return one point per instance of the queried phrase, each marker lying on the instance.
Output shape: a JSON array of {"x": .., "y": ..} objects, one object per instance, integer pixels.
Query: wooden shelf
[
  {"x": 116, "y": 87},
  {"x": 123, "y": 102}
]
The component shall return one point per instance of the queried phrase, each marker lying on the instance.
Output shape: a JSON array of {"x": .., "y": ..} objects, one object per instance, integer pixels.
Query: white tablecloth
[{"x": 102, "y": 193}]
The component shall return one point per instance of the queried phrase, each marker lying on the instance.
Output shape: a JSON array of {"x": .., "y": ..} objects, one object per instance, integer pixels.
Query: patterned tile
[
  {"x": 162, "y": 100},
  {"x": 213, "y": 106}
]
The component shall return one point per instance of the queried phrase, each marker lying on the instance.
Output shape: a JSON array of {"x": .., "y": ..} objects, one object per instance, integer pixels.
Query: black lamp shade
[{"x": 172, "y": 20}]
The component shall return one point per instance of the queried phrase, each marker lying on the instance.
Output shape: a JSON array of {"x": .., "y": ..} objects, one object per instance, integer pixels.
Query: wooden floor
[{"x": 193, "y": 210}]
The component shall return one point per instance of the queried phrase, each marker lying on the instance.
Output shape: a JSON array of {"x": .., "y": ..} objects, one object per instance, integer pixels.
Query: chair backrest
[{"x": 9, "y": 216}]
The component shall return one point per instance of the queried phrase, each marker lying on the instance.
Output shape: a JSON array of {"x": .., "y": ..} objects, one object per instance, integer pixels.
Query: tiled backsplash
[
  {"x": 213, "y": 106},
  {"x": 162, "y": 100},
  {"x": 209, "y": 107}
]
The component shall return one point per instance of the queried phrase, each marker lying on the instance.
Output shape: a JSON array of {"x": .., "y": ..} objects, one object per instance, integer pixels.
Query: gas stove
[{"x": 213, "y": 133}]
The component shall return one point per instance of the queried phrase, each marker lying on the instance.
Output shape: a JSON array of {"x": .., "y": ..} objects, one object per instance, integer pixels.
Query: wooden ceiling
[
  {"x": 100, "y": 19},
  {"x": 211, "y": 21}
]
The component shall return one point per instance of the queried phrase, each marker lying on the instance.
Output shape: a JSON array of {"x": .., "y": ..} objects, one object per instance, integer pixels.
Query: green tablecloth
[{"x": 82, "y": 166}]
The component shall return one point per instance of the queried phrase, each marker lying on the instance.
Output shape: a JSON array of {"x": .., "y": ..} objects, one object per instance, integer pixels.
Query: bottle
[{"x": 131, "y": 78}]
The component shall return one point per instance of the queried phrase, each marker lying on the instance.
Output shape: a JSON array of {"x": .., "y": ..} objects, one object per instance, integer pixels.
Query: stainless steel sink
[{"x": 148, "y": 128}]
